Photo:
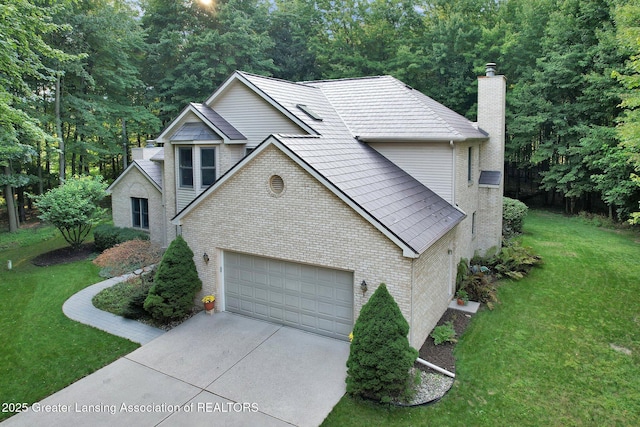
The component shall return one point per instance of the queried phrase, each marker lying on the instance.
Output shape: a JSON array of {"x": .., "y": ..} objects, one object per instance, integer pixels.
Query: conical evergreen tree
[
  {"x": 175, "y": 285},
  {"x": 380, "y": 357}
]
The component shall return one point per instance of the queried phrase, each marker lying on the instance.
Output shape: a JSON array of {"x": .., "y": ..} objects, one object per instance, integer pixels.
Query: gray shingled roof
[
  {"x": 377, "y": 108},
  {"x": 152, "y": 169},
  {"x": 219, "y": 122},
  {"x": 384, "y": 108},
  {"x": 403, "y": 205},
  {"x": 195, "y": 131}
]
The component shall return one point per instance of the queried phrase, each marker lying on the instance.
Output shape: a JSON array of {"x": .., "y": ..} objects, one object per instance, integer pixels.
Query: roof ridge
[
  {"x": 412, "y": 94},
  {"x": 310, "y": 82},
  {"x": 276, "y": 79}
]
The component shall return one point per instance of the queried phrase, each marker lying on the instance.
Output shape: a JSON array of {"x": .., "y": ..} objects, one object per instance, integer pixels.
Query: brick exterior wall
[
  {"x": 306, "y": 224},
  {"x": 433, "y": 283},
  {"x": 135, "y": 184},
  {"x": 491, "y": 118}
]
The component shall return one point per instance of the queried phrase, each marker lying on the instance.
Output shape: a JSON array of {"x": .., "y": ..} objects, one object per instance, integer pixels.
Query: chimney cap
[{"x": 491, "y": 69}]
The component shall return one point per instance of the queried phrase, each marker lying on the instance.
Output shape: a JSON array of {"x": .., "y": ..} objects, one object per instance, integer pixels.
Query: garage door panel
[
  {"x": 324, "y": 291},
  {"x": 292, "y": 301},
  {"x": 292, "y": 284},
  {"x": 326, "y": 309},
  {"x": 308, "y": 288},
  {"x": 261, "y": 309},
  {"x": 342, "y": 313},
  {"x": 276, "y": 282},
  {"x": 261, "y": 295},
  {"x": 308, "y": 304},
  {"x": 343, "y": 295},
  {"x": 246, "y": 290},
  {"x": 311, "y": 298}
]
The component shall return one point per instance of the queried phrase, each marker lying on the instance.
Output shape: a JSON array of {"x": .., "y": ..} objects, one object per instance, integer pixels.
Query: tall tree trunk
[
  {"x": 62, "y": 163},
  {"x": 39, "y": 166},
  {"x": 125, "y": 155},
  {"x": 11, "y": 209}
]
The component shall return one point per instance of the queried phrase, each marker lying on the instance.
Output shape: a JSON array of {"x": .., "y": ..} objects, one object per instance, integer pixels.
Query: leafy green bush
[
  {"x": 73, "y": 208},
  {"x": 444, "y": 333},
  {"x": 106, "y": 236},
  {"x": 514, "y": 260},
  {"x": 462, "y": 272},
  {"x": 380, "y": 357},
  {"x": 175, "y": 285},
  {"x": 480, "y": 288},
  {"x": 513, "y": 214}
]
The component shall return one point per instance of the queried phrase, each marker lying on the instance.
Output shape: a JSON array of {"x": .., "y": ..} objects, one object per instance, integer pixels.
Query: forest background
[{"x": 81, "y": 82}]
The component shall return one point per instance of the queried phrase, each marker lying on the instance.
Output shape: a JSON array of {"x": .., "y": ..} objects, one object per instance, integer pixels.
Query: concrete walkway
[{"x": 80, "y": 308}]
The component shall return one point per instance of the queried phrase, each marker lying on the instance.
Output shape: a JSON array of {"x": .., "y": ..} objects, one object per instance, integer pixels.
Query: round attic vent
[{"x": 276, "y": 184}]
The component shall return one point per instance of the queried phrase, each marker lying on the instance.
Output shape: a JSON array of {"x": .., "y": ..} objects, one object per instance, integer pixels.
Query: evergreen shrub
[
  {"x": 380, "y": 357},
  {"x": 106, "y": 236},
  {"x": 513, "y": 215},
  {"x": 176, "y": 283}
]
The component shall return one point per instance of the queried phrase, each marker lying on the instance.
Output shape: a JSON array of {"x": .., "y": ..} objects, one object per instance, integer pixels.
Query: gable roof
[
  {"x": 149, "y": 169},
  {"x": 397, "y": 201},
  {"x": 219, "y": 122},
  {"x": 352, "y": 111},
  {"x": 214, "y": 121},
  {"x": 384, "y": 108}
]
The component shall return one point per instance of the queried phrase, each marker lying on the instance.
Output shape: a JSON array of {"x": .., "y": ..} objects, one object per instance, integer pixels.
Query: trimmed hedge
[
  {"x": 513, "y": 215},
  {"x": 106, "y": 236}
]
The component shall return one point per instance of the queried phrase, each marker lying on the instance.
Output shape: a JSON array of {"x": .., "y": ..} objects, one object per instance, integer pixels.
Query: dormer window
[{"x": 185, "y": 162}]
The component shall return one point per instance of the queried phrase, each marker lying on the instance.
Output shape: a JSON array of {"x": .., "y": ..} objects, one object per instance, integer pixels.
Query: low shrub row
[{"x": 107, "y": 236}]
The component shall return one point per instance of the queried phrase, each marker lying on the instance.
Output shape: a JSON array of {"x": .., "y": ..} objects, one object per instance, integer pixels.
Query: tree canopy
[
  {"x": 82, "y": 82},
  {"x": 73, "y": 208}
]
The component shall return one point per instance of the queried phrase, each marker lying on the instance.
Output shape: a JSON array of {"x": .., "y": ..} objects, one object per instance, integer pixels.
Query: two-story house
[{"x": 299, "y": 199}]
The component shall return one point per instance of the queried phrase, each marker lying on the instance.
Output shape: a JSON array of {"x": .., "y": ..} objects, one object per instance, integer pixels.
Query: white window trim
[{"x": 216, "y": 162}]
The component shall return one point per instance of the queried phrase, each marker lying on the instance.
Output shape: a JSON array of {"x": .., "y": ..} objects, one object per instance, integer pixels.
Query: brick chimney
[{"x": 491, "y": 119}]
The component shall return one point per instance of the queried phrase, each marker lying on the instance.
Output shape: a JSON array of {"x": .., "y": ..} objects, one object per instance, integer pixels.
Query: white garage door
[{"x": 312, "y": 298}]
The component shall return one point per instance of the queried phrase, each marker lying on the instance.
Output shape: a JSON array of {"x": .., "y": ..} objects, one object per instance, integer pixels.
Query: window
[
  {"x": 208, "y": 166},
  {"x": 473, "y": 224},
  {"x": 140, "y": 212},
  {"x": 470, "y": 165},
  {"x": 185, "y": 163},
  {"x": 248, "y": 150}
]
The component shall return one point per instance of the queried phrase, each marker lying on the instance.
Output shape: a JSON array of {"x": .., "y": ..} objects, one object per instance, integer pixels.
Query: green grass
[
  {"x": 544, "y": 356},
  {"x": 42, "y": 350}
]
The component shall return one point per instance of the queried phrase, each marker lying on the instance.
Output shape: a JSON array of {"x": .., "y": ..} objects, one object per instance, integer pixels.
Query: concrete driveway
[{"x": 223, "y": 369}]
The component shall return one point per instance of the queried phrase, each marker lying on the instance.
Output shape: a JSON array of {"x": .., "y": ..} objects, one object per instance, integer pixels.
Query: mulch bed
[
  {"x": 442, "y": 355},
  {"x": 63, "y": 255}
]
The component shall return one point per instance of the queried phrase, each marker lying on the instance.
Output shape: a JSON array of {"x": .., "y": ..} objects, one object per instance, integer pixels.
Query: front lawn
[
  {"x": 42, "y": 350},
  {"x": 554, "y": 351}
]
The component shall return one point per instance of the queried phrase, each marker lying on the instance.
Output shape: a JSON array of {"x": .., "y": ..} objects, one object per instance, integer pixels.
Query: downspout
[
  {"x": 413, "y": 279},
  {"x": 435, "y": 368},
  {"x": 453, "y": 173}
]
